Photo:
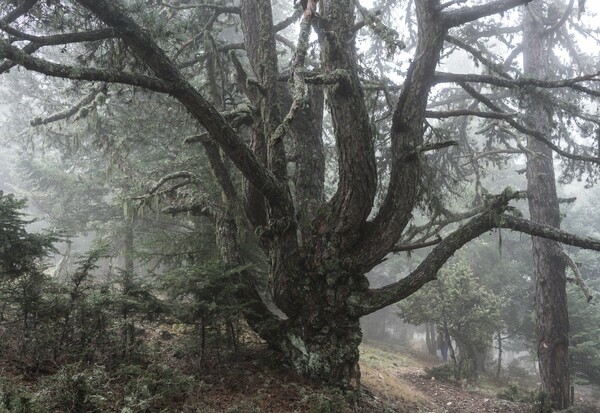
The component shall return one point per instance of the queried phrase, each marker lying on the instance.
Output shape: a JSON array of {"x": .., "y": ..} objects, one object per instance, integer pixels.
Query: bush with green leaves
[
  {"x": 584, "y": 345},
  {"x": 21, "y": 253},
  {"x": 17, "y": 399},
  {"x": 22, "y": 277},
  {"x": 82, "y": 317},
  {"x": 460, "y": 306},
  {"x": 205, "y": 294},
  {"x": 443, "y": 372}
]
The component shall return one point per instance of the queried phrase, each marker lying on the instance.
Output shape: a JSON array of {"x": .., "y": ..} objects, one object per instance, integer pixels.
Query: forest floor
[
  {"x": 394, "y": 380},
  {"x": 407, "y": 376},
  {"x": 404, "y": 381}
]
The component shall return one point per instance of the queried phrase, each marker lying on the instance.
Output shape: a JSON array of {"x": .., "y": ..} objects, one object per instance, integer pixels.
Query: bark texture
[{"x": 552, "y": 320}]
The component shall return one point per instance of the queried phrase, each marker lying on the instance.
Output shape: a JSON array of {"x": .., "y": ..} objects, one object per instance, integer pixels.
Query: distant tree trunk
[
  {"x": 128, "y": 250},
  {"x": 467, "y": 361},
  {"x": 128, "y": 329},
  {"x": 430, "y": 338},
  {"x": 552, "y": 323},
  {"x": 480, "y": 358},
  {"x": 499, "y": 365}
]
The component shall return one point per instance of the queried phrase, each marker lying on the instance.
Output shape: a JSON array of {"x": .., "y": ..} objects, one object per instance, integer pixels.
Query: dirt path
[{"x": 446, "y": 397}]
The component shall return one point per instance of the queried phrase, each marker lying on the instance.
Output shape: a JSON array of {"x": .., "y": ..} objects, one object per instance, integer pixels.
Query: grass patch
[
  {"x": 379, "y": 375},
  {"x": 385, "y": 356}
]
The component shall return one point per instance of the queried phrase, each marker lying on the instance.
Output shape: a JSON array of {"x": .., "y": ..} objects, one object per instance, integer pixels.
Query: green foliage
[
  {"x": 584, "y": 340},
  {"x": 51, "y": 322},
  {"x": 331, "y": 402},
  {"x": 21, "y": 253},
  {"x": 76, "y": 388},
  {"x": 444, "y": 372},
  {"x": 462, "y": 307},
  {"x": 212, "y": 287},
  {"x": 513, "y": 393},
  {"x": 206, "y": 294},
  {"x": 541, "y": 402},
  {"x": 515, "y": 370},
  {"x": 538, "y": 400},
  {"x": 245, "y": 407},
  {"x": 507, "y": 273},
  {"x": 16, "y": 399}
]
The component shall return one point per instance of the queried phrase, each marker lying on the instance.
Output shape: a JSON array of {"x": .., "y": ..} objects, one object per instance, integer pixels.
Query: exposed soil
[
  {"x": 397, "y": 375},
  {"x": 449, "y": 397}
]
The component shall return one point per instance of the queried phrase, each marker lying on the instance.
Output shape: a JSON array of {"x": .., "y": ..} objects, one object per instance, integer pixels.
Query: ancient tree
[{"x": 268, "y": 154}]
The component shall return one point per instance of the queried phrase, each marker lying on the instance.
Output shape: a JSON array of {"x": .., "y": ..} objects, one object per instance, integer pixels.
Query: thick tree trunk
[
  {"x": 552, "y": 323},
  {"x": 327, "y": 353}
]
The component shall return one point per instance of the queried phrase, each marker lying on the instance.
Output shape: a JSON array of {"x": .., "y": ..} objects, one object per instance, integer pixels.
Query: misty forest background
[{"x": 186, "y": 185}]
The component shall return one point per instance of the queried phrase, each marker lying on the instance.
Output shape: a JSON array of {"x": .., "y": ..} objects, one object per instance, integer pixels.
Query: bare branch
[
  {"x": 412, "y": 247},
  {"x": 447, "y": 218},
  {"x": 195, "y": 39},
  {"x": 217, "y": 11},
  {"x": 59, "y": 39},
  {"x": 442, "y": 77},
  {"x": 335, "y": 77},
  {"x": 288, "y": 21},
  {"x": 65, "y": 114},
  {"x": 578, "y": 278},
  {"x": 20, "y": 10},
  {"x": 560, "y": 21},
  {"x": 63, "y": 38},
  {"x": 251, "y": 88},
  {"x": 216, "y": 7},
  {"x": 427, "y": 271},
  {"x": 464, "y": 112},
  {"x": 477, "y": 54},
  {"x": 508, "y": 151},
  {"x": 281, "y": 39},
  {"x": 222, "y": 175},
  {"x": 451, "y": 3},
  {"x": 455, "y": 18},
  {"x": 548, "y": 232},
  {"x": 494, "y": 217},
  {"x": 435, "y": 146},
  {"x": 177, "y": 175},
  {"x": 18, "y": 56},
  {"x": 513, "y": 55},
  {"x": 198, "y": 209}
]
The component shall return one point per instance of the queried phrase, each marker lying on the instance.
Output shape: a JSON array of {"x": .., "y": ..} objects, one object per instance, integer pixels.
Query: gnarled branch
[{"x": 18, "y": 56}]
